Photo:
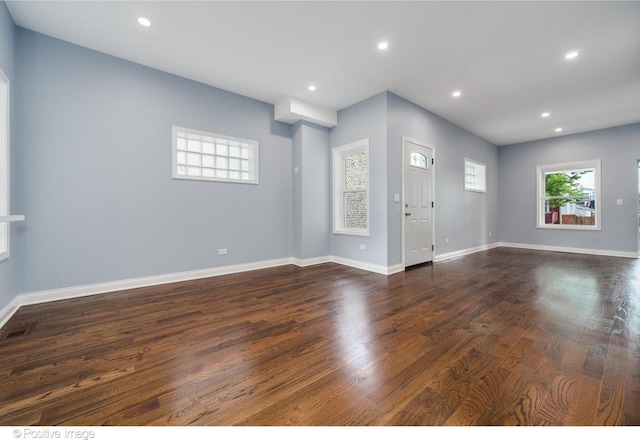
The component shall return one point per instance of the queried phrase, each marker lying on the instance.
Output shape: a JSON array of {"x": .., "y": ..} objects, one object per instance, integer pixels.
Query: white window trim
[
  {"x": 484, "y": 183},
  {"x": 174, "y": 160},
  {"x": 5, "y": 167},
  {"x": 338, "y": 187},
  {"x": 541, "y": 170}
]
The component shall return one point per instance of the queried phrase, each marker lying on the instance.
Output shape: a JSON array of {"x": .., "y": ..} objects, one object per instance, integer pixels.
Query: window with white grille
[
  {"x": 475, "y": 176},
  {"x": 208, "y": 156}
]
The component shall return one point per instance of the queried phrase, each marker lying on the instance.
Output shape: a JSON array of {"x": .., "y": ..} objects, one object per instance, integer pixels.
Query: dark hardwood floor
[{"x": 503, "y": 337}]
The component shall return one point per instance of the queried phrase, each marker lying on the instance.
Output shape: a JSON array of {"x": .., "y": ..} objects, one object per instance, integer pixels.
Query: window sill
[
  {"x": 11, "y": 218},
  {"x": 352, "y": 232},
  {"x": 571, "y": 227}
]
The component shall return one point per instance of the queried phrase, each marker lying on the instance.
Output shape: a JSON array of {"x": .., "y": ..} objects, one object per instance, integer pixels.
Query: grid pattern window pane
[
  {"x": 469, "y": 176},
  {"x": 210, "y": 156},
  {"x": 475, "y": 176}
]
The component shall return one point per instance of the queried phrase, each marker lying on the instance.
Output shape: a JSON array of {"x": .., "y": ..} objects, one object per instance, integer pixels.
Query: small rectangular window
[
  {"x": 569, "y": 195},
  {"x": 475, "y": 176},
  {"x": 351, "y": 188},
  {"x": 208, "y": 156}
]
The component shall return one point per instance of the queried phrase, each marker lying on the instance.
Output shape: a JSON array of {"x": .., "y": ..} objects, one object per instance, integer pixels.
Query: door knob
[{"x": 407, "y": 214}]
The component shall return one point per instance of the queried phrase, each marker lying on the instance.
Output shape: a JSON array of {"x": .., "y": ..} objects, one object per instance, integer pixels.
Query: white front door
[{"x": 417, "y": 202}]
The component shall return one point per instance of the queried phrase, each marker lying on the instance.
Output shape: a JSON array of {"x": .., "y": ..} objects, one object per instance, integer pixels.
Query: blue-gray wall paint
[
  {"x": 366, "y": 120},
  {"x": 465, "y": 218},
  {"x": 94, "y": 172},
  {"x": 8, "y": 269},
  {"x": 91, "y": 170},
  {"x": 296, "y": 158},
  {"x": 311, "y": 191},
  {"x": 619, "y": 150}
]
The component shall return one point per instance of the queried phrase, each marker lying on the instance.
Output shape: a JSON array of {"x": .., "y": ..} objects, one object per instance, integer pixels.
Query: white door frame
[
  {"x": 637, "y": 221},
  {"x": 433, "y": 192}
]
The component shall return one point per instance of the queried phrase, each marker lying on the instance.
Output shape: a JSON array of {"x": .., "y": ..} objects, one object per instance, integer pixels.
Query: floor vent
[{"x": 17, "y": 330}]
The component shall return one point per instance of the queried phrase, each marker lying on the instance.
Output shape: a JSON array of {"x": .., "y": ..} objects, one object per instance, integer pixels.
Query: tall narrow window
[
  {"x": 208, "y": 156},
  {"x": 351, "y": 188},
  {"x": 4, "y": 165}
]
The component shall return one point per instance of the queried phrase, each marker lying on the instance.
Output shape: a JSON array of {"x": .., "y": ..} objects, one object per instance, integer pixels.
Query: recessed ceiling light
[
  {"x": 558, "y": 130},
  {"x": 144, "y": 21},
  {"x": 383, "y": 45},
  {"x": 545, "y": 114},
  {"x": 571, "y": 55},
  {"x": 312, "y": 88},
  {"x": 456, "y": 94}
]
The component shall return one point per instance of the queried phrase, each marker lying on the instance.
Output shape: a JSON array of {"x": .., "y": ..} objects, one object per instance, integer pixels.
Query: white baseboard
[
  {"x": 24, "y": 299},
  {"x": 395, "y": 269},
  {"x": 7, "y": 312},
  {"x": 601, "y": 252},
  {"x": 306, "y": 262},
  {"x": 383, "y": 270},
  {"x": 463, "y": 252},
  {"x": 156, "y": 280}
]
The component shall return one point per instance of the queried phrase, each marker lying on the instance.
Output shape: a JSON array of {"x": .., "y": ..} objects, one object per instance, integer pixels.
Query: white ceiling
[{"x": 507, "y": 58}]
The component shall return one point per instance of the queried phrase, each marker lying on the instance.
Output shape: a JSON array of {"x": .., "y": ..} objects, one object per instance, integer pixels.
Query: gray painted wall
[
  {"x": 94, "y": 172},
  {"x": 8, "y": 268},
  {"x": 311, "y": 189},
  {"x": 619, "y": 150},
  {"x": 296, "y": 157},
  {"x": 465, "y": 218},
  {"x": 366, "y": 120},
  {"x": 91, "y": 170}
]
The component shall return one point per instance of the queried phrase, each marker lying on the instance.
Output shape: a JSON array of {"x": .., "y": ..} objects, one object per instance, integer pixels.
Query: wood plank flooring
[{"x": 503, "y": 337}]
